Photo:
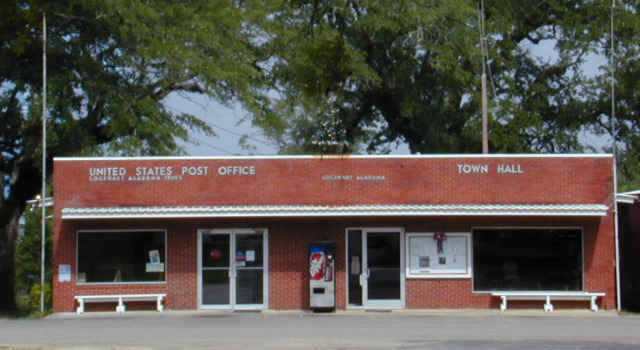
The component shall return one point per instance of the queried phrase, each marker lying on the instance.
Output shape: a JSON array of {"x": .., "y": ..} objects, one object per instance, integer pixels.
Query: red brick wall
[
  {"x": 285, "y": 181},
  {"x": 288, "y": 259}
]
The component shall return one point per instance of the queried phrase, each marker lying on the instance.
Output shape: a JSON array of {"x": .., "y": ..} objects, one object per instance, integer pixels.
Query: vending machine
[{"x": 322, "y": 275}]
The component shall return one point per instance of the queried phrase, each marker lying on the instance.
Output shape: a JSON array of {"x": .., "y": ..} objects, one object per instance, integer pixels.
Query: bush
[{"x": 34, "y": 299}]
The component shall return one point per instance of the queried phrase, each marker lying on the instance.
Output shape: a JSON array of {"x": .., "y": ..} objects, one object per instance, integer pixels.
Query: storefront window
[
  {"x": 527, "y": 260},
  {"x": 121, "y": 256}
]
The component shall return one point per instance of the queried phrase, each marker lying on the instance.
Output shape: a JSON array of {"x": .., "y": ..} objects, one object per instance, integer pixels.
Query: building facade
[{"x": 415, "y": 232}]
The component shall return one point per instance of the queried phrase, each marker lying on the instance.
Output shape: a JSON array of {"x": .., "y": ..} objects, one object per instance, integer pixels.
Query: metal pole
[
  {"x": 485, "y": 114},
  {"x": 44, "y": 161},
  {"x": 614, "y": 150}
]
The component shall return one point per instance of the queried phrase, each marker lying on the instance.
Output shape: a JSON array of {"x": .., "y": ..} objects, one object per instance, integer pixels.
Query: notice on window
[
  {"x": 155, "y": 267},
  {"x": 154, "y": 256},
  {"x": 156, "y": 264},
  {"x": 251, "y": 255},
  {"x": 64, "y": 273}
]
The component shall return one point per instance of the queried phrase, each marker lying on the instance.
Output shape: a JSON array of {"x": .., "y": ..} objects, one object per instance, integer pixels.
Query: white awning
[
  {"x": 628, "y": 197},
  {"x": 337, "y": 210}
]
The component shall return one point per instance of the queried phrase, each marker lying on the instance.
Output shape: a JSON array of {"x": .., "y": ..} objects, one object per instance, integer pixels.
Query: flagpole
[
  {"x": 614, "y": 151},
  {"x": 485, "y": 113},
  {"x": 44, "y": 161}
]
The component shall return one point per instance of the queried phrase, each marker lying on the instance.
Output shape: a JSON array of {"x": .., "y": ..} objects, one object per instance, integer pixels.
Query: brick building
[{"x": 410, "y": 231}]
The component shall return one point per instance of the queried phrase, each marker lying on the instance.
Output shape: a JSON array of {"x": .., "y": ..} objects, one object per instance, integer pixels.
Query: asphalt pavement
[{"x": 403, "y": 329}]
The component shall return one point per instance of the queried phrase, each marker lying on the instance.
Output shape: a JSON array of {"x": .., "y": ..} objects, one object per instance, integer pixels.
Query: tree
[
  {"x": 28, "y": 254},
  {"x": 110, "y": 65},
  {"x": 597, "y": 111},
  {"x": 409, "y": 71}
]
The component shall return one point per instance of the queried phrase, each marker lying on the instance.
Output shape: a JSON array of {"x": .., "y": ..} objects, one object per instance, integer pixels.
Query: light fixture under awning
[{"x": 336, "y": 210}]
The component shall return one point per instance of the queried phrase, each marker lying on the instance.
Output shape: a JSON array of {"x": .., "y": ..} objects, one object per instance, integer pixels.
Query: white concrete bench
[
  {"x": 120, "y": 298},
  {"x": 547, "y": 297}
]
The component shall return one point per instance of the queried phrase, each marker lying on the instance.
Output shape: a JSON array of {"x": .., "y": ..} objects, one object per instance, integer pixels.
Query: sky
[{"x": 227, "y": 123}]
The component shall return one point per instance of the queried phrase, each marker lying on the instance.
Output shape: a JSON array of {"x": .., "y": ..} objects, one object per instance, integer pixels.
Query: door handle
[{"x": 364, "y": 275}]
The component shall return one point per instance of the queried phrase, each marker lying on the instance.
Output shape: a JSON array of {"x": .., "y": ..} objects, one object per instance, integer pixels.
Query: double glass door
[
  {"x": 376, "y": 278},
  {"x": 233, "y": 270}
]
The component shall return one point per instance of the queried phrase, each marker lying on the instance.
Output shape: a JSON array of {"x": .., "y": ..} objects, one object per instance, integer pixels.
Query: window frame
[
  {"x": 120, "y": 231},
  {"x": 434, "y": 274}
]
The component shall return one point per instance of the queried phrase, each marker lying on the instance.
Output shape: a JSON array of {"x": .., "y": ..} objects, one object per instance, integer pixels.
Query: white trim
[
  {"x": 377, "y": 304},
  {"x": 336, "y": 210},
  {"x": 418, "y": 156},
  {"x": 627, "y": 198},
  {"x": 435, "y": 274}
]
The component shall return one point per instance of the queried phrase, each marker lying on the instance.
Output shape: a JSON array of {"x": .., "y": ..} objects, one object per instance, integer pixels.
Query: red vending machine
[{"x": 322, "y": 275}]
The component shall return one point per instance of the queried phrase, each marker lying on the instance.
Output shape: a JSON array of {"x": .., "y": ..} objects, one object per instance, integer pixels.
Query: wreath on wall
[{"x": 440, "y": 237}]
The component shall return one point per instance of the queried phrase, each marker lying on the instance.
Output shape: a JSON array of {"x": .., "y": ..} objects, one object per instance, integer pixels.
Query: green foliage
[
  {"x": 34, "y": 300},
  {"x": 28, "y": 252},
  {"x": 409, "y": 72},
  {"x": 110, "y": 66}
]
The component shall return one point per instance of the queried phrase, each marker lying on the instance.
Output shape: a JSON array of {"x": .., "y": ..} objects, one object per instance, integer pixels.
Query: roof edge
[{"x": 400, "y": 156}]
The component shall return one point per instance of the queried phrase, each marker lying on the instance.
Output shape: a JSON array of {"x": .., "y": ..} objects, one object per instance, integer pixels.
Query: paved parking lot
[{"x": 463, "y": 329}]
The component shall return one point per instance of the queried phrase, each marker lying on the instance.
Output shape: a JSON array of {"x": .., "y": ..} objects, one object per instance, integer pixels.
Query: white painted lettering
[
  {"x": 473, "y": 168},
  {"x": 510, "y": 169},
  {"x": 237, "y": 170},
  {"x": 154, "y": 171},
  {"x": 107, "y": 171},
  {"x": 195, "y": 170}
]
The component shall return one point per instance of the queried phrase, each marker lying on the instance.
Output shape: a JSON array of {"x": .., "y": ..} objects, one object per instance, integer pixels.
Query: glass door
[
  {"x": 233, "y": 270},
  {"x": 376, "y": 277}
]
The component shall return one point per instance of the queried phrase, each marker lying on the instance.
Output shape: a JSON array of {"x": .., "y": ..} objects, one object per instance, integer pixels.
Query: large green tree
[
  {"x": 111, "y": 63},
  {"x": 376, "y": 73}
]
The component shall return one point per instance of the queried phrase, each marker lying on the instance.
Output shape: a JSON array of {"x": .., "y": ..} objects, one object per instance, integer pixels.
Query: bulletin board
[{"x": 427, "y": 258}]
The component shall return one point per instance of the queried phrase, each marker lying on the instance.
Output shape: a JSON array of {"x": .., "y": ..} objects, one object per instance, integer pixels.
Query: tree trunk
[{"x": 9, "y": 228}]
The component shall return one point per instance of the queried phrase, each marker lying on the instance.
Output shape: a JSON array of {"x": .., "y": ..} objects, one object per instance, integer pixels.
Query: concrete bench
[
  {"x": 120, "y": 298},
  {"x": 547, "y": 297}
]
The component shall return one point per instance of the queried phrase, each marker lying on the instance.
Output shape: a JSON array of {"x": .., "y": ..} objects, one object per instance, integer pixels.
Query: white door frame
[
  {"x": 378, "y": 304},
  {"x": 232, "y": 270}
]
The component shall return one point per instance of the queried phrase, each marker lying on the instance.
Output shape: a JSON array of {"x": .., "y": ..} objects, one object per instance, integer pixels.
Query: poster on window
[
  {"x": 155, "y": 264},
  {"x": 430, "y": 257}
]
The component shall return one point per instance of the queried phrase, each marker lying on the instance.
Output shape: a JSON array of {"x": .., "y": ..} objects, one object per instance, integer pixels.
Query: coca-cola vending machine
[{"x": 322, "y": 275}]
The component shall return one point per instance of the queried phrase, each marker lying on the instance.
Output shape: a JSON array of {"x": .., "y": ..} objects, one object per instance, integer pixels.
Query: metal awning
[
  {"x": 628, "y": 197},
  {"x": 336, "y": 210}
]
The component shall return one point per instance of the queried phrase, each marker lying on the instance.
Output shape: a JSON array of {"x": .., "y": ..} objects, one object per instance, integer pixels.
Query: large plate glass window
[
  {"x": 438, "y": 255},
  {"x": 121, "y": 256},
  {"x": 511, "y": 259}
]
